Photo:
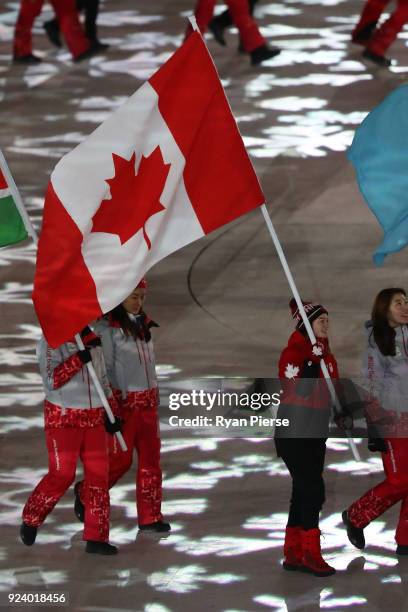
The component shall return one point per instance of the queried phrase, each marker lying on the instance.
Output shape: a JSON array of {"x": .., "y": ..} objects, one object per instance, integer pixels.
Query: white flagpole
[
  {"x": 305, "y": 320},
  {"x": 193, "y": 22},
  {"x": 299, "y": 303},
  {"x": 17, "y": 198},
  {"x": 101, "y": 393},
  {"x": 30, "y": 229}
]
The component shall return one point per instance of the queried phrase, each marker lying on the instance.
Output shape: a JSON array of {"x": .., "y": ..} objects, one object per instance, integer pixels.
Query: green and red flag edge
[{"x": 12, "y": 228}]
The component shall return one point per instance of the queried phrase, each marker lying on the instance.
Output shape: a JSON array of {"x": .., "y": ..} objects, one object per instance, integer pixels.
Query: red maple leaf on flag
[{"x": 134, "y": 197}]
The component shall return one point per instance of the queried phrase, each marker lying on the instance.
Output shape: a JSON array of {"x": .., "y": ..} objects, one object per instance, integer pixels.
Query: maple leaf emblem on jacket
[
  {"x": 134, "y": 197},
  {"x": 317, "y": 350},
  {"x": 291, "y": 371}
]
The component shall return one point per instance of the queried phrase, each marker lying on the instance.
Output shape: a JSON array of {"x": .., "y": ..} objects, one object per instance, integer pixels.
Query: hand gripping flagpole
[
  {"x": 17, "y": 198},
  {"x": 310, "y": 333},
  {"x": 101, "y": 393},
  {"x": 31, "y": 231}
]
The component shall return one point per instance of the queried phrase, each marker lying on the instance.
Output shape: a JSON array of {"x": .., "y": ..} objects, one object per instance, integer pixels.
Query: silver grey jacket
[
  {"x": 77, "y": 391},
  {"x": 386, "y": 377},
  {"x": 130, "y": 363}
]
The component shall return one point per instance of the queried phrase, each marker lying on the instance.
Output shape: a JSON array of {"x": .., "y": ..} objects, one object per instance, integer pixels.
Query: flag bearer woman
[
  {"x": 385, "y": 368},
  {"x": 129, "y": 356},
  {"x": 74, "y": 428},
  {"x": 306, "y": 403}
]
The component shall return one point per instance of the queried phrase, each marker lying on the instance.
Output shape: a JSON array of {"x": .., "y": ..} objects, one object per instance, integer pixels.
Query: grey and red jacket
[
  {"x": 130, "y": 362},
  {"x": 386, "y": 378},
  {"x": 298, "y": 364},
  {"x": 66, "y": 380}
]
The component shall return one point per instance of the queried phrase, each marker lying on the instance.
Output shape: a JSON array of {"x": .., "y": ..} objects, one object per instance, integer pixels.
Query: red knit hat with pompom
[{"x": 312, "y": 312}]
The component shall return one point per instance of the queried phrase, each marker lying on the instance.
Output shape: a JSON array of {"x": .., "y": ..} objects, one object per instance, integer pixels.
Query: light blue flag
[{"x": 379, "y": 153}]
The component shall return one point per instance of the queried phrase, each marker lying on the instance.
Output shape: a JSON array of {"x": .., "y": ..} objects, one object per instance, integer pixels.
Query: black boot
[
  {"x": 28, "y": 534},
  {"x": 99, "y": 45},
  {"x": 27, "y": 59},
  {"x": 100, "y": 548},
  {"x": 52, "y": 30},
  {"x": 158, "y": 526},
  {"x": 79, "y": 507},
  {"x": 354, "y": 534},
  {"x": 263, "y": 53},
  {"x": 94, "y": 49},
  {"x": 217, "y": 30},
  {"x": 380, "y": 60},
  {"x": 364, "y": 34},
  {"x": 402, "y": 549}
]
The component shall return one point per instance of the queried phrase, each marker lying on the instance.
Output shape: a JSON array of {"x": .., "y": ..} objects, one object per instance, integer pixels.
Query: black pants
[
  {"x": 91, "y": 8},
  {"x": 304, "y": 458},
  {"x": 225, "y": 19}
]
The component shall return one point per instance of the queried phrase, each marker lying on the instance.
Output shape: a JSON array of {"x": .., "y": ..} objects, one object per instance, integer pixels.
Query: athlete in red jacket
[
  {"x": 306, "y": 404},
  {"x": 67, "y": 16}
]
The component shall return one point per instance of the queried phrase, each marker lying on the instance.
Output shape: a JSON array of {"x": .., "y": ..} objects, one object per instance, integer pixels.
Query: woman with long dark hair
[
  {"x": 386, "y": 370},
  {"x": 306, "y": 404},
  {"x": 128, "y": 349}
]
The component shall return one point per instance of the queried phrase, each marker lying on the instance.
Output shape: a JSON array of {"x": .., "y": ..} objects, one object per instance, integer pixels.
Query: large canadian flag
[{"x": 166, "y": 168}]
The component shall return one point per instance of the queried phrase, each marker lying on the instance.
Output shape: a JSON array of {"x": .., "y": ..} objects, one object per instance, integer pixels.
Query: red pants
[
  {"x": 67, "y": 16},
  {"x": 239, "y": 9},
  {"x": 393, "y": 489},
  {"x": 65, "y": 445},
  {"x": 386, "y": 34},
  {"x": 140, "y": 432}
]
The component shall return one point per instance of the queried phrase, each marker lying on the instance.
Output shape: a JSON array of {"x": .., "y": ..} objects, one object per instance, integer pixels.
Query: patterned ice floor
[{"x": 226, "y": 499}]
